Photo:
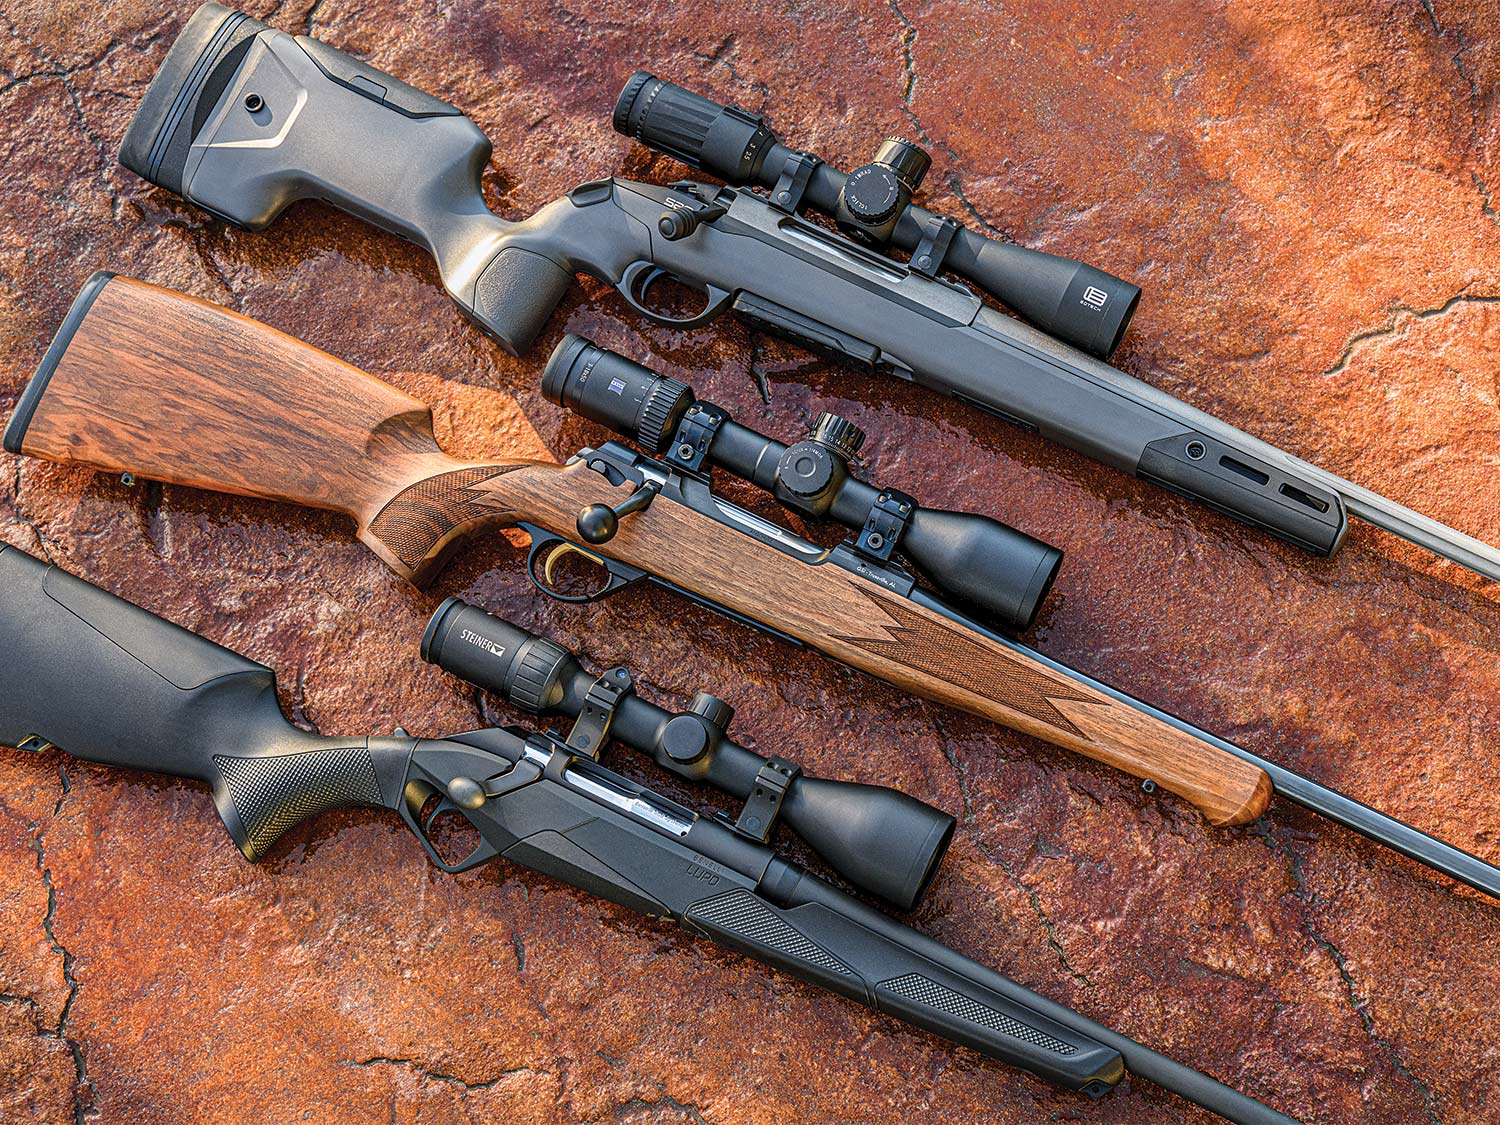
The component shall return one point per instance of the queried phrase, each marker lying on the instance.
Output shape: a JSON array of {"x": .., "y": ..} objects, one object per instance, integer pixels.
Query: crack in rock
[
  {"x": 85, "y": 1093},
  {"x": 1393, "y": 323},
  {"x": 1488, "y": 206},
  {"x": 1361, "y": 1008},
  {"x": 428, "y": 1074},
  {"x": 908, "y": 40},
  {"x": 962, "y": 776},
  {"x": 1036, "y": 905}
]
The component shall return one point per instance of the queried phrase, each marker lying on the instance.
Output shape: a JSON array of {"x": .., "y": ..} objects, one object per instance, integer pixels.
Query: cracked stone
[{"x": 1286, "y": 182}]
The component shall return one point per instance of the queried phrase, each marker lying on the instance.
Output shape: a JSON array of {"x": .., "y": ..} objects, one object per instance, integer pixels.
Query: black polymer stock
[{"x": 109, "y": 682}]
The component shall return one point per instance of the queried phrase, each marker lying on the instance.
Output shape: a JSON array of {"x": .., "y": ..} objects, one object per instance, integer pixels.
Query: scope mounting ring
[
  {"x": 791, "y": 185},
  {"x": 885, "y": 524},
  {"x": 591, "y": 727},
  {"x": 763, "y": 805},
  {"x": 695, "y": 434},
  {"x": 937, "y": 235}
]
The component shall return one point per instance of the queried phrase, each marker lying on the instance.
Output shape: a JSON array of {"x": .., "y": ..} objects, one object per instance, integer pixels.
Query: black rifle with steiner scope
[
  {"x": 243, "y": 120},
  {"x": 109, "y": 682},
  {"x": 880, "y": 839}
]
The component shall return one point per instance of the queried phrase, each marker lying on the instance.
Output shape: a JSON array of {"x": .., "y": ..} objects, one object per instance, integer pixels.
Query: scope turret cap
[
  {"x": 909, "y": 161},
  {"x": 838, "y": 434}
]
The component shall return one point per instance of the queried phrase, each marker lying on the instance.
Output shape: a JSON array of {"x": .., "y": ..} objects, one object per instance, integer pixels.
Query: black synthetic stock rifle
[
  {"x": 109, "y": 682},
  {"x": 242, "y": 120}
]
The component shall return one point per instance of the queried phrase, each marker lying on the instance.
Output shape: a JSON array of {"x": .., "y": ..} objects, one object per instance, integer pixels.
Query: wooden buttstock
[{"x": 144, "y": 380}]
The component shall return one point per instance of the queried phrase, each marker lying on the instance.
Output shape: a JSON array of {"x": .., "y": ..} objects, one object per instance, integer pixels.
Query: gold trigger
[{"x": 562, "y": 549}]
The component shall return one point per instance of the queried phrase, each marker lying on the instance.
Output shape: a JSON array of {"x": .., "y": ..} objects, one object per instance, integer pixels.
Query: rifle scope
[
  {"x": 991, "y": 566},
  {"x": 881, "y": 840},
  {"x": 1078, "y": 303}
]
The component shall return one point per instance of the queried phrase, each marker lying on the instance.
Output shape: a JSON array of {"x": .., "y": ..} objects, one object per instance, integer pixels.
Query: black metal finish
[
  {"x": 881, "y": 840},
  {"x": 995, "y": 568},
  {"x": 532, "y": 801}
]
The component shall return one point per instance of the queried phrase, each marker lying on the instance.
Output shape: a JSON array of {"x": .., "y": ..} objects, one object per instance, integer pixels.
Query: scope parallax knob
[
  {"x": 910, "y": 162},
  {"x": 875, "y": 193},
  {"x": 838, "y": 434},
  {"x": 872, "y": 194},
  {"x": 712, "y": 708}
]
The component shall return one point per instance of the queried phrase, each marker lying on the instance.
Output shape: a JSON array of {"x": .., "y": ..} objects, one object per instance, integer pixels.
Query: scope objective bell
[{"x": 882, "y": 840}]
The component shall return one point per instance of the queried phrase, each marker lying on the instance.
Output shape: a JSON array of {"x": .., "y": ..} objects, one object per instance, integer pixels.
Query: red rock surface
[{"x": 1308, "y": 194}]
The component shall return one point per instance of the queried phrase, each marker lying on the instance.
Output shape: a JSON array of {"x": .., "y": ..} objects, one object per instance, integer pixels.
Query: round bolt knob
[
  {"x": 838, "y": 434},
  {"x": 712, "y": 708},
  {"x": 675, "y": 224},
  {"x": 598, "y": 523},
  {"x": 466, "y": 793}
]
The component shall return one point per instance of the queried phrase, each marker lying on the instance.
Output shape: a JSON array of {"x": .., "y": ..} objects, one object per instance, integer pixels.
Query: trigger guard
[
  {"x": 640, "y": 276},
  {"x": 482, "y": 853},
  {"x": 543, "y": 542}
]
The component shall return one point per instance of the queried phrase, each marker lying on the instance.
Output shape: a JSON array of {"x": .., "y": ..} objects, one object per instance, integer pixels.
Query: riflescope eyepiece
[
  {"x": 607, "y": 388},
  {"x": 1078, "y": 303},
  {"x": 881, "y": 840},
  {"x": 722, "y": 140}
]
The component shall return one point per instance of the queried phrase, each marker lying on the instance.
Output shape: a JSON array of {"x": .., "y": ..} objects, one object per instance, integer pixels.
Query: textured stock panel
[
  {"x": 272, "y": 794},
  {"x": 931, "y": 994},
  {"x": 746, "y": 916},
  {"x": 516, "y": 294},
  {"x": 918, "y": 641},
  {"x": 417, "y": 518}
]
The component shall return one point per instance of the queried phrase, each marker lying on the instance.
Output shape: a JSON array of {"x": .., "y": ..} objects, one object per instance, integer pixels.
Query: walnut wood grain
[
  {"x": 897, "y": 640},
  {"x": 157, "y": 383},
  {"x": 180, "y": 390}
]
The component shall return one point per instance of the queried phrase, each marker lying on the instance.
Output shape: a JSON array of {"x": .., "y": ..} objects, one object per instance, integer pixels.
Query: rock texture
[{"x": 1308, "y": 194}]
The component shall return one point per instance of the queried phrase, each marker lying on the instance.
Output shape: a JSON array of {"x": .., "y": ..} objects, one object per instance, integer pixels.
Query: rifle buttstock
[{"x": 144, "y": 380}]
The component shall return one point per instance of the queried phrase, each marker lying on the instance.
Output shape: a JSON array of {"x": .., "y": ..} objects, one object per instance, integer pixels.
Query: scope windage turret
[
  {"x": 981, "y": 561},
  {"x": 881, "y": 840},
  {"x": 1076, "y": 302}
]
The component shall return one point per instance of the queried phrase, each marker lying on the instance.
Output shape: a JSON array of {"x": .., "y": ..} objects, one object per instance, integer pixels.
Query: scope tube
[
  {"x": 992, "y": 567},
  {"x": 882, "y": 840},
  {"x": 1076, "y": 302}
]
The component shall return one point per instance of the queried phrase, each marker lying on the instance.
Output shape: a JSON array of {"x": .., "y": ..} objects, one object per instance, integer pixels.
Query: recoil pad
[{"x": 184, "y": 91}]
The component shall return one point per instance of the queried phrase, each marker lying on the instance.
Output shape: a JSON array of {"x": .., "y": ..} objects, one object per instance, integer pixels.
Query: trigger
[
  {"x": 562, "y": 550},
  {"x": 638, "y": 279},
  {"x": 547, "y": 548}
]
